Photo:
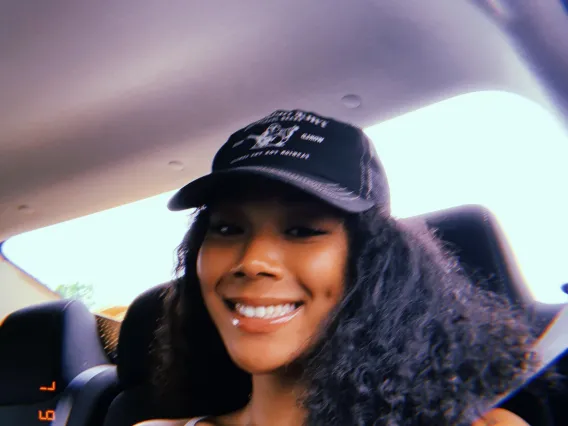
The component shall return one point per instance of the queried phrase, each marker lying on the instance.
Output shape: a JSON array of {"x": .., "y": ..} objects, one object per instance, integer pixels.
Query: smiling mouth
[{"x": 266, "y": 312}]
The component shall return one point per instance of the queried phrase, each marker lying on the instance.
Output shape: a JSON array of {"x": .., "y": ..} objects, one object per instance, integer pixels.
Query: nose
[{"x": 261, "y": 258}]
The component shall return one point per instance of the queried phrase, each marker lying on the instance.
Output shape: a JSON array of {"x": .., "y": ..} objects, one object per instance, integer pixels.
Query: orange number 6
[{"x": 47, "y": 417}]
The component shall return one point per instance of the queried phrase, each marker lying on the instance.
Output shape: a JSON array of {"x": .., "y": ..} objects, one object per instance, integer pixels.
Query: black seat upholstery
[
  {"x": 136, "y": 402},
  {"x": 43, "y": 348},
  {"x": 471, "y": 232}
]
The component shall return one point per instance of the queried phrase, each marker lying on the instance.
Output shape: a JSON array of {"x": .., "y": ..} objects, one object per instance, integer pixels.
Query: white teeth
[
  {"x": 272, "y": 311},
  {"x": 249, "y": 311}
]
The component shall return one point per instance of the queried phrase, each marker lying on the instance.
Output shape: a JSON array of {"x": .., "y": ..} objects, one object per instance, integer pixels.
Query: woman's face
[{"x": 271, "y": 269}]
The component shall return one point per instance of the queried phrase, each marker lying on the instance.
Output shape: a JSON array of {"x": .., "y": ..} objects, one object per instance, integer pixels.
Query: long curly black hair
[{"x": 413, "y": 341}]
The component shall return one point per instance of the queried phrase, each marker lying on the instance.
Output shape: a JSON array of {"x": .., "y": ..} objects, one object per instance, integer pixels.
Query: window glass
[{"x": 490, "y": 148}]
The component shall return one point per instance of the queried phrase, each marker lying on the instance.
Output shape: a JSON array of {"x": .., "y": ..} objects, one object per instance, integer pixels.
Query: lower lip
[{"x": 263, "y": 325}]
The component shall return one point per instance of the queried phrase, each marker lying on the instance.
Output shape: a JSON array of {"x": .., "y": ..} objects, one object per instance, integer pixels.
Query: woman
[{"x": 302, "y": 301}]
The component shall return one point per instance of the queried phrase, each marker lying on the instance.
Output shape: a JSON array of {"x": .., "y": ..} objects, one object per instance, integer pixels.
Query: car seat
[
  {"x": 136, "y": 401},
  {"x": 44, "y": 350}
]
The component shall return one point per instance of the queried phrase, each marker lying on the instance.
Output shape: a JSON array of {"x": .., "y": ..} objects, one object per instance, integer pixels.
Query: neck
[{"x": 274, "y": 401}]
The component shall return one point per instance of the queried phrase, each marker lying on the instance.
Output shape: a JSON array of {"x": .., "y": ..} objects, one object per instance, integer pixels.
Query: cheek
[
  {"x": 203, "y": 270},
  {"x": 212, "y": 264},
  {"x": 323, "y": 272}
]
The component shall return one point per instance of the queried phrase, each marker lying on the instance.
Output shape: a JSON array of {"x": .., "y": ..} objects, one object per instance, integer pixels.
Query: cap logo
[
  {"x": 275, "y": 136},
  {"x": 297, "y": 116}
]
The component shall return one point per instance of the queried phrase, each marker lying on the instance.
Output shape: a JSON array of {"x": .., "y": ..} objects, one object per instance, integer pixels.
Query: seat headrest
[
  {"x": 43, "y": 348},
  {"x": 475, "y": 237},
  {"x": 136, "y": 336}
]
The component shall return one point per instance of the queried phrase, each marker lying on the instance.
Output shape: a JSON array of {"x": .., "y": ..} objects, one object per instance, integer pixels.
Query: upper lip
[{"x": 263, "y": 301}]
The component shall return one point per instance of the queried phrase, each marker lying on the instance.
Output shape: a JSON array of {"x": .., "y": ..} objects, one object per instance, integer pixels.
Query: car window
[{"x": 490, "y": 148}]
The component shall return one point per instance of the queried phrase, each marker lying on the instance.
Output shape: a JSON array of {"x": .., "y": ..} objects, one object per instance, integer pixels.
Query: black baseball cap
[{"x": 328, "y": 159}]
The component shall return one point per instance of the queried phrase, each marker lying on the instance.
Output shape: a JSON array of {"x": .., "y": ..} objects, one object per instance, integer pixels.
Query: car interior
[{"x": 104, "y": 104}]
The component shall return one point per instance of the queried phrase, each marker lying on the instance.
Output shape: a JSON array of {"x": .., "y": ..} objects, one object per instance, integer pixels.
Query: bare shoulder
[
  {"x": 226, "y": 419},
  {"x": 159, "y": 422},
  {"x": 500, "y": 417}
]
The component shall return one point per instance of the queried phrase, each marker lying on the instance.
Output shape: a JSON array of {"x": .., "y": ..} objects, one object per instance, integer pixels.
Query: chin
[{"x": 262, "y": 358}]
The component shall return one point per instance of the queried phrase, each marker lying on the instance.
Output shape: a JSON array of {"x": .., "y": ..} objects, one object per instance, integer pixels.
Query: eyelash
[
  {"x": 227, "y": 230},
  {"x": 218, "y": 229},
  {"x": 311, "y": 232}
]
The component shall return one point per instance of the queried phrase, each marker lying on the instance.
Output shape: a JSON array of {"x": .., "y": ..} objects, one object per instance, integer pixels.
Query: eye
[
  {"x": 304, "y": 232},
  {"x": 225, "y": 229}
]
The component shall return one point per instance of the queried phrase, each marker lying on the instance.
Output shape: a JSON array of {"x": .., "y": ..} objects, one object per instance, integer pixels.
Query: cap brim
[{"x": 199, "y": 192}]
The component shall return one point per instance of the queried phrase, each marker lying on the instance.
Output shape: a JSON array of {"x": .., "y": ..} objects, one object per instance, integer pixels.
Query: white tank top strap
[{"x": 195, "y": 421}]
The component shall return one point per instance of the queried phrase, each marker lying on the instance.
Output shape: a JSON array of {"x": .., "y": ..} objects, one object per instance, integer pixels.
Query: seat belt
[{"x": 550, "y": 346}]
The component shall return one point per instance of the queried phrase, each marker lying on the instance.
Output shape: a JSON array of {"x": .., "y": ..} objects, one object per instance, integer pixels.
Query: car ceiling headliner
[{"x": 96, "y": 98}]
